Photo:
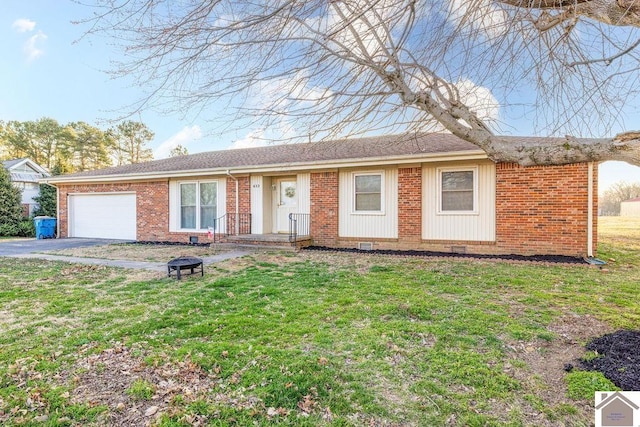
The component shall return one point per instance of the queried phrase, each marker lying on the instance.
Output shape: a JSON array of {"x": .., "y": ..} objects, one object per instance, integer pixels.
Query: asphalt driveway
[{"x": 30, "y": 246}]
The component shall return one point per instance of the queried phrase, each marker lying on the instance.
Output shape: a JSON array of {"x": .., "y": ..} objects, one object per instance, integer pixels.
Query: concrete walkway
[{"x": 136, "y": 265}]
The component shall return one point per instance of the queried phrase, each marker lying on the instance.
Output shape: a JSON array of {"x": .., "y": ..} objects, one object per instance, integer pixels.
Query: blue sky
[{"x": 49, "y": 70}]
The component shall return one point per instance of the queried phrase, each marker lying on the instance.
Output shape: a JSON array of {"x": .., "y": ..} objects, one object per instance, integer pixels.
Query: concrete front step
[{"x": 276, "y": 240}]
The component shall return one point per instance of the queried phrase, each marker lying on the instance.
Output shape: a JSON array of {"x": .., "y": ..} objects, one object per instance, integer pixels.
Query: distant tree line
[
  {"x": 76, "y": 146},
  {"x": 614, "y": 195}
]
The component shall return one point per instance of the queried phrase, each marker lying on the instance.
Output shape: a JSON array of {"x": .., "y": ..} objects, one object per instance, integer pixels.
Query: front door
[{"x": 285, "y": 202}]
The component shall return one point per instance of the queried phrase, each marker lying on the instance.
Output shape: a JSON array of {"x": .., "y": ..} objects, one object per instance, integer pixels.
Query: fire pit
[{"x": 185, "y": 263}]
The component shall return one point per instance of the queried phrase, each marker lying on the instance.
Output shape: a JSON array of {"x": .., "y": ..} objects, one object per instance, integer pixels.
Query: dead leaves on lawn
[{"x": 104, "y": 378}]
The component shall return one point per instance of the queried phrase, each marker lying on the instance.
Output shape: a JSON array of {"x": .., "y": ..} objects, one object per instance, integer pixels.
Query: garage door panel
[{"x": 109, "y": 216}]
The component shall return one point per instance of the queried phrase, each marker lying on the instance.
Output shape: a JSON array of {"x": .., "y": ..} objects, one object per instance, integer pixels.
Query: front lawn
[{"x": 309, "y": 339}]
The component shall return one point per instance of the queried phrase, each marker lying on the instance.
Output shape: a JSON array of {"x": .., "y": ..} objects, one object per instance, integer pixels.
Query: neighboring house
[
  {"x": 630, "y": 208},
  {"x": 423, "y": 192},
  {"x": 25, "y": 174}
]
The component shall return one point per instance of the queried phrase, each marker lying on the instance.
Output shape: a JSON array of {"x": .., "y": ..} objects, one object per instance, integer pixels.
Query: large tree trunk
[
  {"x": 555, "y": 151},
  {"x": 610, "y": 12}
]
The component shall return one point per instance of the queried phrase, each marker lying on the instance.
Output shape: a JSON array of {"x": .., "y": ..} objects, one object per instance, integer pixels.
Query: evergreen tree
[
  {"x": 47, "y": 201},
  {"x": 10, "y": 205}
]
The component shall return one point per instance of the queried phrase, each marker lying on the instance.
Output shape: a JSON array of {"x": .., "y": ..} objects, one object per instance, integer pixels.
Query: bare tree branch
[{"x": 332, "y": 68}]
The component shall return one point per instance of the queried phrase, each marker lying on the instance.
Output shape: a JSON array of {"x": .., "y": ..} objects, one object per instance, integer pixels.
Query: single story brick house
[{"x": 423, "y": 192}]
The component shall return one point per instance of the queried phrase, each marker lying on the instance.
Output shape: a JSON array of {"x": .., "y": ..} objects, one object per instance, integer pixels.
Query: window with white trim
[
  {"x": 367, "y": 192},
  {"x": 198, "y": 205},
  {"x": 458, "y": 190}
]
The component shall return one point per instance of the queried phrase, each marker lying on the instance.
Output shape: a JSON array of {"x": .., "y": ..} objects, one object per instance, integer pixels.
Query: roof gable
[
  {"x": 25, "y": 170},
  {"x": 617, "y": 396}
]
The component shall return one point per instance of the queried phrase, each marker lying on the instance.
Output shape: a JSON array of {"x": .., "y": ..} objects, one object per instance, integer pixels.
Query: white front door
[{"x": 285, "y": 202}]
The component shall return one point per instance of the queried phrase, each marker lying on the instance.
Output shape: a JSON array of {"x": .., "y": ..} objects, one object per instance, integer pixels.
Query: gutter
[{"x": 590, "y": 210}]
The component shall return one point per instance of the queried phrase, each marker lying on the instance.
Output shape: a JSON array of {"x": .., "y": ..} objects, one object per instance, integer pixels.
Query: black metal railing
[
  {"x": 231, "y": 224},
  {"x": 299, "y": 226}
]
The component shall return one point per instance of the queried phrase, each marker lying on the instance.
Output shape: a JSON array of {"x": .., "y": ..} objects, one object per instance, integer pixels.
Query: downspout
[
  {"x": 590, "y": 210},
  {"x": 237, "y": 224}
]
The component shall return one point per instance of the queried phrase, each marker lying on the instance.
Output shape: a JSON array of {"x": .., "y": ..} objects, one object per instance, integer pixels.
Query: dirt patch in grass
[
  {"x": 618, "y": 358},
  {"x": 135, "y": 393},
  {"x": 543, "y": 372},
  {"x": 107, "y": 379}
]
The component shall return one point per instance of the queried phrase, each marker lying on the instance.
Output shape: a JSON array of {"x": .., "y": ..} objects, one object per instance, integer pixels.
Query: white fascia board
[
  {"x": 285, "y": 167},
  {"x": 33, "y": 166}
]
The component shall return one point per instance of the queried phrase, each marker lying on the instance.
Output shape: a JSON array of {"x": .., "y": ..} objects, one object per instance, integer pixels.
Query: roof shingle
[{"x": 314, "y": 152}]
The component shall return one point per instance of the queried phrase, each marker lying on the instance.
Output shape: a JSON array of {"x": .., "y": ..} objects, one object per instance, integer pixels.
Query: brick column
[
  {"x": 244, "y": 194},
  {"x": 410, "y": 204},
  {"x": 324, "y": 208}
]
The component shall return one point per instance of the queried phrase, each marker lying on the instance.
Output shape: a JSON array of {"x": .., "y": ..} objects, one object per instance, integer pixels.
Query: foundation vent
[
  {"x": 459, "y": 249},
  {"x": 365, "y": 246}
]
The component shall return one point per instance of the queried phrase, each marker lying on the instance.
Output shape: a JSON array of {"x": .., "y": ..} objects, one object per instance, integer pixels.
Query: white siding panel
[
  {"x": 222, "y": 199},
  {"x": 304, "y": 193},
  {"x": 363, "y": 225},
  {"x": 257, "y": 204},
  {"x": 480, "y": 226},
  {"x": 174, "y": 206}
]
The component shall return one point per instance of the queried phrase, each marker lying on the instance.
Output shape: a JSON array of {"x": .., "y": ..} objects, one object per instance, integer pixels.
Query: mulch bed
[
  {"x": 619, "y": 358},
  {"x": 530, "y": 258}
]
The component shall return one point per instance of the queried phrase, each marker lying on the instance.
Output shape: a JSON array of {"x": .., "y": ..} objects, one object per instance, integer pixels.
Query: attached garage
[{"x": 103, "y": 215}]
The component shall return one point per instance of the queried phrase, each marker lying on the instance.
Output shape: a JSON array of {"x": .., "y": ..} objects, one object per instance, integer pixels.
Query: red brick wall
[
  {"x": 152, "y": 201},
  {"x": 410, "y": 204},
  {"x": 152, "y": 208},
  {"x": 539, "y": 210},
  {"x": 542, "y": 210},
  {"x": 244, "y": 204},
  {"x": 244, "y": 192},
  {"x": 324, "y": 208}
]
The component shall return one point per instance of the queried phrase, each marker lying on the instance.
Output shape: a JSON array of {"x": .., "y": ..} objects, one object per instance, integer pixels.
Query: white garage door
[{"x": 109, "y": 216}]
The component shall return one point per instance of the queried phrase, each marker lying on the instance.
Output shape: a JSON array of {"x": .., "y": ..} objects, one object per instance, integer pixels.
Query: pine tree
[
  {"x": 10, "y": 205},
  {"x": 47, "y": 201}
]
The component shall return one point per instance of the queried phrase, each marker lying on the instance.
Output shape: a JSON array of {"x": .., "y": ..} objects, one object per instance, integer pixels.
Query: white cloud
[
  {"x": 255, "y": 138},
  {"x": 32, "y": 46},
  {"x": 479, "y": 99},
  {"x": 187, "y": 135},
  {"x": 370, "y": 24},
  {"x": 23, "y": 25},
  {"x": 482, "y": 16}
]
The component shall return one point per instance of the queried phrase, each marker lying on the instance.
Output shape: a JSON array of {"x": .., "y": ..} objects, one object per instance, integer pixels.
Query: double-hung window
[
  {"x": 368, "y": 192},
  {"x": 458, "y": 190},
  {"x": 198, "y": 205}
]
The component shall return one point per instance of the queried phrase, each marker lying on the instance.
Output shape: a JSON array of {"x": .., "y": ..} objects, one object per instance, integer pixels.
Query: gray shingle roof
[
  {"x": 315, "y": 152},
  {"x": 8, "y": 163}
]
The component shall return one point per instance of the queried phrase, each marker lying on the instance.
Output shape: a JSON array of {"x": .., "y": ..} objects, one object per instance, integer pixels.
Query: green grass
[
  {"x": 306, "y": 340},
  {"x": 583, "y": 384},
  {"x": 141, "y": 390}
]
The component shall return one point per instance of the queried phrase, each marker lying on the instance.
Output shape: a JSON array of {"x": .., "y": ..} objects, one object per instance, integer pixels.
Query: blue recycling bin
[{"x": 45, "y": 227}]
